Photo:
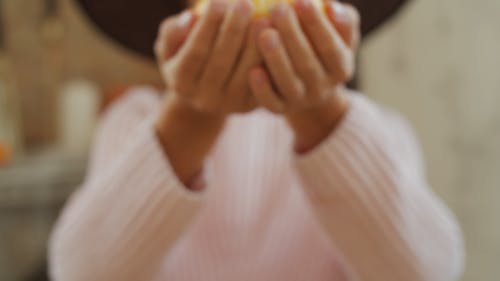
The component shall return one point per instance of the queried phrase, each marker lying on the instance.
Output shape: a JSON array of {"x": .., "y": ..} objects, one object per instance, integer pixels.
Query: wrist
[
  {"x": 187, "y": 137},
  {"x": 311, "y": 126},
  {"x": 183, "y": 114}
]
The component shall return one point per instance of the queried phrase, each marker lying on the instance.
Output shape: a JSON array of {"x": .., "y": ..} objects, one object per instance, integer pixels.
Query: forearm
[
  {"x": 389, "y": 231},
  {"x": 187, "y": 137},
  {"x": 373, "y": 201},
  {"x": 122, "y": 222}
]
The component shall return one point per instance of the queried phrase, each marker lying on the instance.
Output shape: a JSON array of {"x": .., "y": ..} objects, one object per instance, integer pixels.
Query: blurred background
[{"x": 436, "y": 62}]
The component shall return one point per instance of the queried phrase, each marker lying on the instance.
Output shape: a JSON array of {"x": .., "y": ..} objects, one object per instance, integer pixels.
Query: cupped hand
[
  {"x": 308, "y": 56},
  {"x": 205, "y": 59}
]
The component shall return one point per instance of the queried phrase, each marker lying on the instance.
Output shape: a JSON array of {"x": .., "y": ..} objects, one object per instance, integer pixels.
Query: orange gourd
[{"x": 5, "y": 154}]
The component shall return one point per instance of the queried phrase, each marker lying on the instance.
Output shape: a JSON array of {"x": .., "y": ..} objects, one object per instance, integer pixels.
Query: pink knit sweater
[{"x": 357, "y": 207}]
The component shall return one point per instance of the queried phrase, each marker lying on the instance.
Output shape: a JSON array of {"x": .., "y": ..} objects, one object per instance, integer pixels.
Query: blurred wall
[
  {"x": 438, "y": 63},
  {"x": 46, "y": 50},
  {"x": 91, "y": 54}
]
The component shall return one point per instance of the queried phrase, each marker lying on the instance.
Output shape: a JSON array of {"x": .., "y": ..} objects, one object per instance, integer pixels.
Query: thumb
[
  {"x": 183, "y": 25},
  {"x": 346, "y": 20},
  {"x": 172, "y": 35}
]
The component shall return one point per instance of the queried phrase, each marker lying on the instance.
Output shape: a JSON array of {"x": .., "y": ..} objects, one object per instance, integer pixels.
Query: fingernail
[
  {"x": 340, "y": 12},
  {"x": 243, "y": 7},
  {"x": 184, "y": 19},
  {"x": 304, "y": 4},
  {"x": 280, "y": 10},
  {"x": 260, "y": 25},
  {"x": 218, "y": 6},
  {"x": 271, "y": 41}
]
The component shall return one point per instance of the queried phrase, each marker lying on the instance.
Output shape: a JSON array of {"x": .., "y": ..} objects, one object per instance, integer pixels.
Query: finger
[
  {"x": 193, "y": 56},
  {"x": 302, "y": 55},
  {"x": 263, "y": 90},
  {"x": 172, "y": 33},
  {"x": 278, "y": 62},
  {"x": 224, "y": 56},
  {"x": 238, "y": 86},
  {"x": 249, "y": 104},
  {"x": 334, "y": 53},
  {"x": 160, "y": 44},
  {"x": 347, "y": 21}
]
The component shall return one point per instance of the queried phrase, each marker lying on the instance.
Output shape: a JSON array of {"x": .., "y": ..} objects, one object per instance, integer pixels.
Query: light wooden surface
[{"x": 438, "y": 63}]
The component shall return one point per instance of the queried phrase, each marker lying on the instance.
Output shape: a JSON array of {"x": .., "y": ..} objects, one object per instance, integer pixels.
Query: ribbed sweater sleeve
[
  {"x": 367, "y": 187},
  {"x": 131, "y": 209}
]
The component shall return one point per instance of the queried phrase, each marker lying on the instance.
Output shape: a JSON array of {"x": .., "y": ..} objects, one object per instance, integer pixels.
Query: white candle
[
  {"x": 78, "y": 115},
  {"x": 8, "y": 124},
  {"x": 3, "y": 111}
]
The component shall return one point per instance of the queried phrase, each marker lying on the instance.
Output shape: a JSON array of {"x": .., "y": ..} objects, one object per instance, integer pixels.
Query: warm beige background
[{"x": 438, "y": 63}]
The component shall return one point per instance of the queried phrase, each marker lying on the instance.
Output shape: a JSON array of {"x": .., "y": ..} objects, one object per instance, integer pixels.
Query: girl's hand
[
  {"x": 308, "y": 59},
  {"x": 205, "y": 62}
]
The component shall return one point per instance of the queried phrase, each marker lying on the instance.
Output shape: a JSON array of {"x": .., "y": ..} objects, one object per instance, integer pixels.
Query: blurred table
[{"x": 32, "y": 191}]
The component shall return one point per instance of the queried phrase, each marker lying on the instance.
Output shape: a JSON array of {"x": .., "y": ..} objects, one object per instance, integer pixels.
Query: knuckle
[
  {"x": 206, "y": 106},
  {"x": 218, "y": 68},
  {"x": 317, "y": 93},
  {"x": 166, "y": 70},
  {"x": 309, "y": 15},
  {"x": 349, "y": 72},
  {"x": 210, "y": 83},
  {"x": 346, "y": 70},
  {"x": 215, "y": 15},
  {"x": 273, "y": 54},
  {"x": 196, "y": 54},
  {"x": 209, "y": 86},
  {"x": 329, "y": 50},
  {"x": 309, "y": 71},
  {"x": 317, "y": 90},
  {"x": 297, "y": 91},
  {"x": 234, "y": 28},
  {"x": 314, "y": 21},
  {"x": 178, "y": 83},
  {"x": 342, "y": 65},
  {"x": 176, "y": 74}
]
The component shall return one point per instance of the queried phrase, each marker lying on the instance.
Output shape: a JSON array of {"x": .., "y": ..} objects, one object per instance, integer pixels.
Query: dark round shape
[{"x": 134, "y": 23}]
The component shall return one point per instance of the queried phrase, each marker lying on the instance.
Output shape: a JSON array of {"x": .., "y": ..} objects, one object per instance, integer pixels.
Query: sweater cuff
[
  {"x": 120, "y": 225},
  {"x": 156, "y": 165},
  {"x": 353, "y": 146}
]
